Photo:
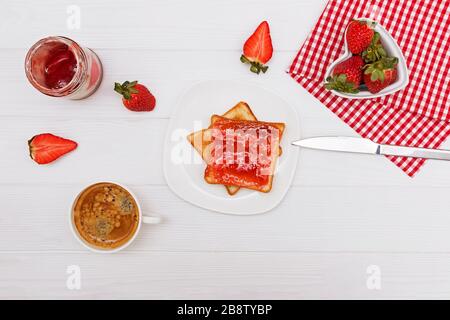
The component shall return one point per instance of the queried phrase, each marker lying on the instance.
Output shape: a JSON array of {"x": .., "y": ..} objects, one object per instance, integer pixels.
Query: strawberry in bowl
[
  {"x": 383, "y": 70},
  {"x": 380, "y": 74},
  {"x": 347, "y": 75},
  {"x": 359, "y": 35}
]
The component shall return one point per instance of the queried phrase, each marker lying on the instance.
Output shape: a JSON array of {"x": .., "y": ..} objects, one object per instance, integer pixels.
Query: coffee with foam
[{"x": 106, "y": 216}]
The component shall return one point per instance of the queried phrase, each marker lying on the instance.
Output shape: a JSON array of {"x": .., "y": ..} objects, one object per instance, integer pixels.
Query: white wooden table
[{"x": 342, "y": 215}]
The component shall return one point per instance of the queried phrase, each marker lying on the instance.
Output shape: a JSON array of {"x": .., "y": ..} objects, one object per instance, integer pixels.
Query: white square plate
[{"x": 184, "y": 167}]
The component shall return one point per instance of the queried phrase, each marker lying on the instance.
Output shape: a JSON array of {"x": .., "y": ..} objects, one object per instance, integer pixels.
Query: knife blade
[{"x": 366, "y": 146}]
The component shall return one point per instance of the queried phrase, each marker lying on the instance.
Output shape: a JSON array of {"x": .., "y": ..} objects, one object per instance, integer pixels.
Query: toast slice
[
  {"x": 249, "y": 180},
  {"x": 240, "y": 111}
]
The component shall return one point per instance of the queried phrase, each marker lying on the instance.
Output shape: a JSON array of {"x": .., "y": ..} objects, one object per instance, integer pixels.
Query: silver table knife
[{"x": 361, "y": 145}]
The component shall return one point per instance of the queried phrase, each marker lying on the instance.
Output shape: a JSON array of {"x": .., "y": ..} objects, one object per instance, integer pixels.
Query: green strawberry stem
[
  {"x": 256, "y": 67},
  {"x": 375, "y": 51},
  {"x": 126, "y": 89},
  {"x": 339, "y": 83}
]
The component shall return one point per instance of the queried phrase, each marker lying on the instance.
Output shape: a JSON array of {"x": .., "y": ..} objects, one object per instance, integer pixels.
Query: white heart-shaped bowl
[{"x": 393, "y": 50}]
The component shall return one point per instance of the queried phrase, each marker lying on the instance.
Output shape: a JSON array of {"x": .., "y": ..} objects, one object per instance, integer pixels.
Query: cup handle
[{"x": 151, "y": 220}]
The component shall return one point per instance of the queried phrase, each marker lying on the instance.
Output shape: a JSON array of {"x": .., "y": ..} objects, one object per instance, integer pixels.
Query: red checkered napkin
[{"x": 416, "y": 116}]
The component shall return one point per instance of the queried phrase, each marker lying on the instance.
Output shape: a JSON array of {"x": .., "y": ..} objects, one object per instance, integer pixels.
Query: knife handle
[{"x": 436, "y": 154}]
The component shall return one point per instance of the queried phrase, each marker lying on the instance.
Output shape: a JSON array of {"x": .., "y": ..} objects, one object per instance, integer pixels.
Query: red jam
[
  {"x": 60, "y": 67},
  {"x": 242, "y": 153}
]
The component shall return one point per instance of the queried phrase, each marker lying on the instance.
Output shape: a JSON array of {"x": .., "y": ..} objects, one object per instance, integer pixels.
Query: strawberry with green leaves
[
  {"x": 258, "y": 49},
  {"x": 380, "y": 74},
  {"x": 346, "y": 76},
  {"x": 136, "y": 97}
]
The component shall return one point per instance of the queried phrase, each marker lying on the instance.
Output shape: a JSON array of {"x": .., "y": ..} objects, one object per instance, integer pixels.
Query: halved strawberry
[
  {"x": 46, "y": 147},
  {"x": 258, "y": 49}
]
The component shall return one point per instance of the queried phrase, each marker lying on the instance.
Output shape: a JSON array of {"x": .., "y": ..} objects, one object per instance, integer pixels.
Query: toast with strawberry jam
[
  {"x": 240, "y": 111},
  {"x": 242, "y": 153}
]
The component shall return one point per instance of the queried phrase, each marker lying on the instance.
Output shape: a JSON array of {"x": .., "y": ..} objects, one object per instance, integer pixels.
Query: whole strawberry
[
  {"x": 380, "y": 74},
  {"x": 359, "y": 35},
  {"x": 346, "y": 76},
  {"x": 136, "y": 97}
]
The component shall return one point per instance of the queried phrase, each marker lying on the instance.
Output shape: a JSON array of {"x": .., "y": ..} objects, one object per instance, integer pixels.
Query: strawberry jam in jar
[{"x": 59, "y": 67}]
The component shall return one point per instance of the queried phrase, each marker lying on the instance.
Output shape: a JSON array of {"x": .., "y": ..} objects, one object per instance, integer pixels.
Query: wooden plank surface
[
  {"x": 226, "y": 275},
  {"x": 343, "y": 213}
]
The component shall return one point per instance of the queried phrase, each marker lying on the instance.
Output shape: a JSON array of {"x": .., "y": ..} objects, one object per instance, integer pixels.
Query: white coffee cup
[{"x": 142, "y": 219}]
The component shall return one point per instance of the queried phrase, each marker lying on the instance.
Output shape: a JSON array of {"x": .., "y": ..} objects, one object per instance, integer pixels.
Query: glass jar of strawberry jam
[{"x": 59, "y": 67}]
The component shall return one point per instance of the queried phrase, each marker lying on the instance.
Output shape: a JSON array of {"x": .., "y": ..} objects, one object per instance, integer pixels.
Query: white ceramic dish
[
  {"x": 393, "y": 50},
  {"x": 185, "y": 176}
]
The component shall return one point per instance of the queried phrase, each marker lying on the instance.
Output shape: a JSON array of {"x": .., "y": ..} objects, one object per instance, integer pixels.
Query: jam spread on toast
[{"x": 242, "y": 152}]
